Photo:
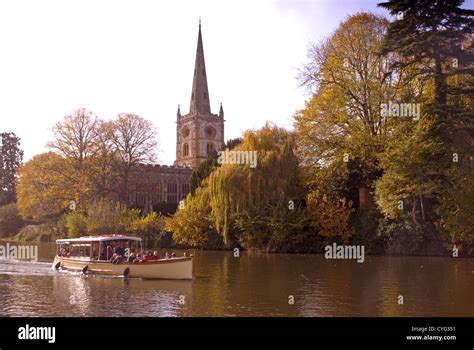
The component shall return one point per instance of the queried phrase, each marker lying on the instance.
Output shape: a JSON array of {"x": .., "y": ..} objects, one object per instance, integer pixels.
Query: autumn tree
[
  {"x": 76, "y": 139},
  {"x": 349, "y": 80},
  {"x": 191, "y": 224},
  {"x": 45, "y": 187},
  {"x": 133, "y": 141}
]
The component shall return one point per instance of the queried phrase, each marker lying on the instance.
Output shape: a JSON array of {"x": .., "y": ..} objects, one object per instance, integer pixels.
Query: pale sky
[{"x": 137, "y": 56}]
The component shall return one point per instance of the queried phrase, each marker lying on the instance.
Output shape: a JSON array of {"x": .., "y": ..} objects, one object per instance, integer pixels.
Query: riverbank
[{"x": 48, "y": 233}]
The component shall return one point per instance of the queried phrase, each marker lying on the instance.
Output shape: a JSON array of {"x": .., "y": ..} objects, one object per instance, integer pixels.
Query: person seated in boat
[
  {"x": 116, "y": 259},
  {"x": 173, "y": 255},
  {"x": 150, "y": 256},
  {"x": 167, "y": 255},
  {"x": 132, "y": 258},
  {"x": 120, "y": 250},
  {"x": 146, "y": 257}
]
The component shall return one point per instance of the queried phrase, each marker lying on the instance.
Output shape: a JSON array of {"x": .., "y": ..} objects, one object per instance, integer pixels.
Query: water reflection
[{"x": 250, "y": 285}]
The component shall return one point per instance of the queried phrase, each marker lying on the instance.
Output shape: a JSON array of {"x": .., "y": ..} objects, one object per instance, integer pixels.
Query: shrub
[
  {"x": 76, "y": 224},
  {"x": 10, "y": 220}
]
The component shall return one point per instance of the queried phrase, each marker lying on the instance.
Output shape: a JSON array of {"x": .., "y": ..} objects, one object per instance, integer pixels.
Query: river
[{"x": 249, "y": 285}]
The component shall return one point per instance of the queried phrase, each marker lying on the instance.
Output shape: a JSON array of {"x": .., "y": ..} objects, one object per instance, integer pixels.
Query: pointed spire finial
[
  {"x": 200, "y": 93},
  {"x": 179, "y": 111},
  {"x": 221, "y": 112}
]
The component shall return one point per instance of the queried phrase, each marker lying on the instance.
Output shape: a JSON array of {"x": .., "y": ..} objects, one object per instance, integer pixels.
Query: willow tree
[{"x": 253, "y": 204}]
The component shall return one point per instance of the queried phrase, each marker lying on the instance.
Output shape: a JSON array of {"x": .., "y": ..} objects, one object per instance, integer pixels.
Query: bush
[
  {"x": 148, "y": 227},
  {"x": 47, "y": 232},
  {"x": 106, "y": 217},
  {"x": 76, "y": 224},
  {"x": 402, "y": 237},
  {"x": 10, "y": 220}
]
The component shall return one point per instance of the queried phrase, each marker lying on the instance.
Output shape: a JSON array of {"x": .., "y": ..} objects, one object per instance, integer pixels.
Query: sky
[{"x": 137, "y": 56}]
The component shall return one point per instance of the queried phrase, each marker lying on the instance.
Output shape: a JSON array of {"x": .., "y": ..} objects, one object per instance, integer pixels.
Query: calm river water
[{"x": 250, "y": 285}]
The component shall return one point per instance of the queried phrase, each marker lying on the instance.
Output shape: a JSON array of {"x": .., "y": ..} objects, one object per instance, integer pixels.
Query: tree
[
  {"x": 430, "y": 32},
  {"x": 11, "y": 157},
  {"x": 45, "y": 186},
  {"x": 431, "y": 39},
  {"x": 350, "y": 83},
  {"x": 251, "y": 206},
  {"x": 133, "y": 141},
  {"x": 191, "y": 225},
  {"x": 76, "y": 139},
  {"x": 76, "y": 136},
  {"x": 149, "y": 227},
  {"x": 205, "y": 168}
]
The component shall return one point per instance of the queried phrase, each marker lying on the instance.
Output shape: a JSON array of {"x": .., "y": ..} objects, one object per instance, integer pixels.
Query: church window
[
  {"x": 210, "y": 131},
  {"x": 185, "y": 150},
  {"x": 172, "y": 196},
  {"x": 185, "y": 131},
  {"x": 209, "y": 148}
]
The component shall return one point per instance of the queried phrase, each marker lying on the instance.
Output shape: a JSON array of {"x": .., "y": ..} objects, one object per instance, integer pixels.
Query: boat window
[
  {"x": 81, "y": 250},
  {"x": 95, "y": 250},
  {"x": 63, "y": 249}
]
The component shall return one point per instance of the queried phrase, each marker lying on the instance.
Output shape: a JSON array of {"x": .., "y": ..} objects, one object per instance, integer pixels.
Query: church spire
[{"x": 200, "y": 94}]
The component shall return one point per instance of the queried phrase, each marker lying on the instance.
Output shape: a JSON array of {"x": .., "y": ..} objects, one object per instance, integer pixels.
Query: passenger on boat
[
  {"x": 167, "y": 255},
  {"x": 150, "y": 256},
  {"x": 173, "y": 255},
  {"x": 133, "y": 258},
  {"x": 120, "y": 250}
]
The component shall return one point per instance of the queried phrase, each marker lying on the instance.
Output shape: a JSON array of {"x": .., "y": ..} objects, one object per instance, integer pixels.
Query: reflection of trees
[
  {"x": 211, "y": 288},
  {"x": 251, "y": 285}
]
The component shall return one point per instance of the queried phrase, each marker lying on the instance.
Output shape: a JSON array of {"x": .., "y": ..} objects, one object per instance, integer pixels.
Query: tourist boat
[{"x": 93, "y": 254}]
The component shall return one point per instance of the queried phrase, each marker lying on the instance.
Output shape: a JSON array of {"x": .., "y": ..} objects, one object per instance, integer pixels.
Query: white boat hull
[{"x": 174, "y": 268}]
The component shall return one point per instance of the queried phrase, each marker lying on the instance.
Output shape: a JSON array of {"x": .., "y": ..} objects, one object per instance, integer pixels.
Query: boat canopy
[{"x": 97, "y": 239}]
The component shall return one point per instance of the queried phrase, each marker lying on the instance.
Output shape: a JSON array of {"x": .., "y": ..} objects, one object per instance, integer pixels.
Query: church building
[{"x": 198, "y": 134}]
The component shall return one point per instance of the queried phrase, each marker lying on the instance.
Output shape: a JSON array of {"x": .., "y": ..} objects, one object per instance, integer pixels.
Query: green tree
[
  {"x": 204, "y": 169},
  {"x": 421, "y": 166},
  {"x": 10, "y": 220},
  {"x": 249, "y": 201},
  {"x": 76, "y": 224},
  {"x": 191, "y": 225},
  {"x": 11, "y": 157}
]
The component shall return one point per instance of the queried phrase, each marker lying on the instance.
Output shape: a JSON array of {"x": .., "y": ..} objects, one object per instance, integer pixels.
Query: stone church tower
[{"x": 199, "y": 132}]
